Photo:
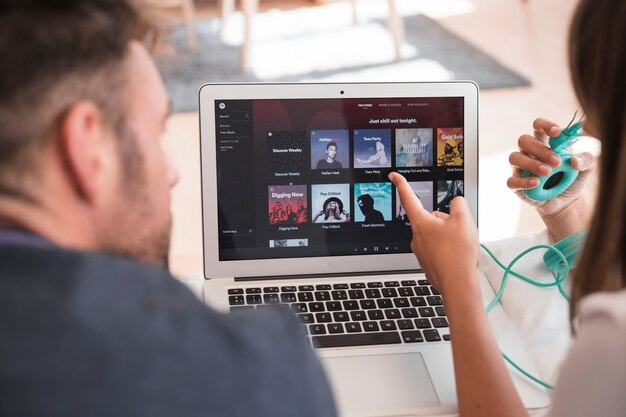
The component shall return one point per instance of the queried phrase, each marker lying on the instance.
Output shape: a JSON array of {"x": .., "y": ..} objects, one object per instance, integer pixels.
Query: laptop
[{"x": 298, "y": 209}]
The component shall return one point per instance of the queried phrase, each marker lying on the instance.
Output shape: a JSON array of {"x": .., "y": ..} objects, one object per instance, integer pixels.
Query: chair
[
  {"x": 188, "y": 11},
  {"x": 250, "y": 7}
]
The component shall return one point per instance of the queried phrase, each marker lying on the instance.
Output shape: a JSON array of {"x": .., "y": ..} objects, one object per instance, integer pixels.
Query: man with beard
[{"x": 91, "y": 321}]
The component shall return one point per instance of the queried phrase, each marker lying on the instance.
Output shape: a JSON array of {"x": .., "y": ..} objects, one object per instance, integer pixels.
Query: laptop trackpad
[{"x": 380, "y": 383}]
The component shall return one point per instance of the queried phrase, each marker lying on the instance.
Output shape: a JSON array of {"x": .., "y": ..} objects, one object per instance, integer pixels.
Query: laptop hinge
[{"x": 333, "y": 275}]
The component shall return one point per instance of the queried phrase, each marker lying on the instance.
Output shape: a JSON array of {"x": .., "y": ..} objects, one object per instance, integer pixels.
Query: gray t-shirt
[{"x": 86, "y": 334}]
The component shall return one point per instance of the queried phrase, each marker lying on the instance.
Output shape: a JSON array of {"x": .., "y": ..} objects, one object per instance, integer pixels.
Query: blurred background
[{"x": 515, "y": 50}]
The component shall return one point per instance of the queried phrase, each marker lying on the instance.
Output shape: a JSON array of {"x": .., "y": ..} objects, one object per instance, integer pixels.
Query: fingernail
[
  {"x": 554, "y": 131},
  {"x": 578, "y": 160},
  {"x": 544, "y": 169},
  {"x": 534, "y": 182},
  {"x": 390, "y": 176},
  {"x": 555, "y": 159}
]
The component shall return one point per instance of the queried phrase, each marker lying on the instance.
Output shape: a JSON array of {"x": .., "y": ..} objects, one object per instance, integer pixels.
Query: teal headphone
[
  {"x": 561, "y": 177},
  {"x": 559, "y": 259}
]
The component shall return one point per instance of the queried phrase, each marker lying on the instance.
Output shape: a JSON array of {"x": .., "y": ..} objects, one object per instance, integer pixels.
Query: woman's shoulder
[
  {"x": 605, "y": 305},
  {"x": 593, "y": 375}
]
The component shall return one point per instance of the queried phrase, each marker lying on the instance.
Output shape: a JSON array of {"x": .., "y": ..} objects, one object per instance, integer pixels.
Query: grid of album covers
[
  {"x": 365, "y": 202},
  {"x": 331, "y": 158}
]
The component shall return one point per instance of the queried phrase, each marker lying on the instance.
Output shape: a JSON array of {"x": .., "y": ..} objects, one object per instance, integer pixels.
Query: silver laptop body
[{"x": 325, "y": 151}]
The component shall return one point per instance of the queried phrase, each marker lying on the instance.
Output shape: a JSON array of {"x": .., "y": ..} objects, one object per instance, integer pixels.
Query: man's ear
[{"x": 85, "y": 145}]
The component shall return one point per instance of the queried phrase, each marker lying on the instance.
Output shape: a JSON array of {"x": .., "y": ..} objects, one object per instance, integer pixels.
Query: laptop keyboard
[{"x": 357, "y": 313}]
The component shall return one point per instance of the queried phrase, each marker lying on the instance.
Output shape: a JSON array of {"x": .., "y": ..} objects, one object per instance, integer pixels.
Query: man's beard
[
  {"x": 133, "y": 233},
  {"x": 133, "y": 230}
]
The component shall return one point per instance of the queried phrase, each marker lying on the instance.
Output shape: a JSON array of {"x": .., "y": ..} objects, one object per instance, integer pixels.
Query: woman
[
  {"x": 378, "y": 159},
  {"x": 593, "y": 376},
  {"x": 332, "y": 212}
]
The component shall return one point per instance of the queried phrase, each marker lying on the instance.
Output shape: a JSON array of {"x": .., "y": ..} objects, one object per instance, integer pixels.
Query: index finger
[
  {"x": 411, "y": 203},
  {"x": 546, "y": 127}
]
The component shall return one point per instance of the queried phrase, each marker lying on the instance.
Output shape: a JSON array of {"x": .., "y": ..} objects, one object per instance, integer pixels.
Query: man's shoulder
[
  {"x": 329, "y": 165},
  {"x": 322, "y": 164},
  {"x": 52, "y": 264},
  {"x": 97, "y": 285},
  {"x": 92, "y": 283},
  {"x": 97, "y": 289},
  {"x": 158, "y": 340}
]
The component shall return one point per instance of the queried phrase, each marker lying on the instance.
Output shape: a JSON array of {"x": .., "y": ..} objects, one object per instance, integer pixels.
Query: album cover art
[
  {"x": 450, "y": 147},
  {"x": 287, "y": 151},
  {"x": 414, "y": 147},
  {"x": 330, "y": 203},
  {"x": 330, "y": 149},
  {"x": 372, "y": 148},
  {"x": 424, "y": 191},
  {"x": 287, "y": 204},
  {"x": 446, "y": 191},
  {"x": 288, "y": 243},
  {"x": 372, "y": 202}
]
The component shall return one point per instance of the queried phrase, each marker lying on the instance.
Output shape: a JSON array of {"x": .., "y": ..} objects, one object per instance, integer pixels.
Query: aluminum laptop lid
[{"x": 268, "y": 178}]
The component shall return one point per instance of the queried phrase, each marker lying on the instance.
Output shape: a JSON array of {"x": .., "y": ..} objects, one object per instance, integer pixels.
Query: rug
[{"x": 295, "y": 46}]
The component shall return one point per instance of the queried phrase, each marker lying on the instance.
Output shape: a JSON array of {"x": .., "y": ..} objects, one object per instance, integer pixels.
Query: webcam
[
  {"x": 553, "y": 185},
  {"x": 341, "y": 92}
]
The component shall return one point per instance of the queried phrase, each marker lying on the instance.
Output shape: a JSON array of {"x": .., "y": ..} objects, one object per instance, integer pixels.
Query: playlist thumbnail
[
  {"x": 372, "y": 202},
  {"x": 287, "y": 204},
  {"x": 424, "y": 191},
  {"x": 330, "y": 149},
  {"x": 330, "y": 203},
  {"x": 450, "y": 147},
  {"x": 372, "y": 148},
  {"x": 288, "y": 243},
  {"x": 446, "y": 191},
  {"x": 287, "y": 151},
  {"x": 414, "y": 147}
]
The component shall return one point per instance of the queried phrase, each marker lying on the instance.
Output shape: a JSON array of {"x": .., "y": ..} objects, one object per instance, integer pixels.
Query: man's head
[
  {"x": 366, "y": 203},
  {"x": 82, "y": 109},
  {"x": 331, "y": 150}
]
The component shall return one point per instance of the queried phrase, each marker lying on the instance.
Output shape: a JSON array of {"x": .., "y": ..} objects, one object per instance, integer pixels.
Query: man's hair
[
  {"x": 331, "y": 144},
  {"x": 54, "y": 54}
]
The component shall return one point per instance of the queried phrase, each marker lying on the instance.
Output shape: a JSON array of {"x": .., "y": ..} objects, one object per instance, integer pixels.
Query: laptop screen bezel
[{"x": 209, "y": 93}]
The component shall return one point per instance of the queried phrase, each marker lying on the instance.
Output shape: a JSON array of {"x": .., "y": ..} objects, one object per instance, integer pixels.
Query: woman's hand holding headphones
[{"x": 563, "y": 212}]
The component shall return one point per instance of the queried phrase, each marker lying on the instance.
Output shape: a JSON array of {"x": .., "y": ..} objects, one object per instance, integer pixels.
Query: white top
[{"x": 592, "y": 381}]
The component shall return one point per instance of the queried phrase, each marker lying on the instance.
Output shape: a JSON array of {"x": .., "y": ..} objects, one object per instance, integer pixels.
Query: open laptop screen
[{"x": 301, "y": 178}]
